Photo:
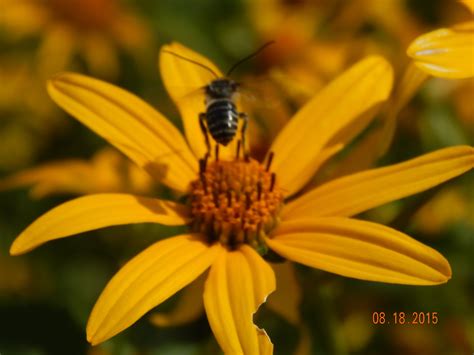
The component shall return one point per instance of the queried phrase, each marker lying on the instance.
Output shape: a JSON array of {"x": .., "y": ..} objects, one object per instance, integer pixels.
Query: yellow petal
[
  {"x": 71, "y": 175},
  {"x": 132, "y": 33},
  {"x": 348, "y": 133},
  {"x": 333, "y": 109},
  {"x": 147, "y": 280},
  {"x": 469, "y": 4},
  {"x": 362, "y": 156},
  {"x": 22, "y": 18},
  {"x": 408, "y": 85},
  {"x": 265, "y": 346},
  {"x": 239, "y": 281},
  {"x": 107, "y": 171},
  {"x": 189, "y": 307},
  {"x": 286, "y": 302},
  {"x": 359, "y": 192},
  {"x": 449, "y": 206},
  {"x": 100, "y": 55},
  {"x": 97, "y": 211},
  {"x": 56, "y": 50},
  {"x": 375, "y": 143},
  {"x": 128, "y": 123},
  {"x": 184, "y": 82},
  {"x": 287, "y": 298},
  {"x": 360, "y": 249},
  {"x": 447, "y": 52}
]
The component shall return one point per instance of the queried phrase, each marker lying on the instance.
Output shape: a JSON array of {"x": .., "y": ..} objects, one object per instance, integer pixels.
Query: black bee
[{"x": 221, "y": 116}]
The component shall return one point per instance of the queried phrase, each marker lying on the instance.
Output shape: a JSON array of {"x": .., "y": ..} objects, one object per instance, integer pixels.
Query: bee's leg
[
  {"x": 243, "y": 132},
  {"x": 202, "y": 117}
]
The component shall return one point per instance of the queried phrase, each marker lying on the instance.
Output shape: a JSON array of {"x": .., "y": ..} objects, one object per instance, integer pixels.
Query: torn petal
[{"x": 239, "y": 281}]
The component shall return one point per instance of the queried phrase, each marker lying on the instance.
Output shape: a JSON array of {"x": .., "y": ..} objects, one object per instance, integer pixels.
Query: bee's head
[{"x": 221, "y": 88}]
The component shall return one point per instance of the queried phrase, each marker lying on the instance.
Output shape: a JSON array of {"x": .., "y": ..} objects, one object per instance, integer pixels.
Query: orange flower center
[
  {"x": 86, "y": 14},
  {"x": 235, "y": 201}
]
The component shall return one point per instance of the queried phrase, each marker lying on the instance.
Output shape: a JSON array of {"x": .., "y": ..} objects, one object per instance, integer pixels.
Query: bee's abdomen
[{"x": 222, "y": 120}]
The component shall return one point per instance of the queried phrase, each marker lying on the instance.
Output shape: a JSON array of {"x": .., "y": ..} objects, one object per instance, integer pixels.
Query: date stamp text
[{"x": 405, "y": 318}]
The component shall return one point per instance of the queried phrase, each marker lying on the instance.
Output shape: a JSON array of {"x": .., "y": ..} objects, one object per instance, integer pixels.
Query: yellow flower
[
  {"x": 446, "y": 52},
  {"x": 94, "y": 29},
  {"x": 239, "y": 210},
  {"x": 27, "y": 120},
  {"x": 303, "y": 60},
  {"x": 107, "y": 171},
  {"x": 433, "y": 217},
  {"x": 462, "y": 101}
]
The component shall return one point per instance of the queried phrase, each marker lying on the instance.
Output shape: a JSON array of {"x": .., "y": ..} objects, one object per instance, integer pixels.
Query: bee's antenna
[
  {"x": 248, "y": 57},
  {"x": 194, "y": 62}
]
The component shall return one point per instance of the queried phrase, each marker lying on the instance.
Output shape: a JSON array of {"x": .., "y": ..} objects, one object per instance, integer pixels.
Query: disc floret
[{"x": 235, "y": 201}]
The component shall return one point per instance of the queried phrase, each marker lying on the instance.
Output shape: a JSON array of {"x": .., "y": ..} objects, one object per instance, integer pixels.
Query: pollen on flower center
[{"x": 235, "y": 201}]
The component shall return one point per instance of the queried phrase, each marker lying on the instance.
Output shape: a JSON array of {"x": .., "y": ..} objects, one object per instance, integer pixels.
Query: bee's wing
[
  {"x": 258, "y": 92},
  {"x": 265, "y": 103}
]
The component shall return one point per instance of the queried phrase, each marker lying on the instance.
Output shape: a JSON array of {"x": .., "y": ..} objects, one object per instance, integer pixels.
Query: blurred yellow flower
[
  {"x": 107, "y": 171},
  {"x": 295, "y": 24},
  {"x": 26, "y": 120},
  {"x": 462, "y": 100},
  {"x": 434, "y": 217},
  {"x": 94, "y": 29},
  {"x": 315, "y": 40},
  {"x": 65, "y": 34},
  {"x": 446, "y": 52},
  {"x": 291, "y": 25},
  {"x": 239, "y": 210}
]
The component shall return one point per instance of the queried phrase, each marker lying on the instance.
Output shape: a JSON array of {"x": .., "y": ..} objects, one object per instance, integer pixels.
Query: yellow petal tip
[
  {"x": 20, "y": 246},
  {"x": 91, "y": 335},
  {"x": 57, "y": 77},
  {"x": 15, "y": 249},
  {"x": 159, "y": 320},
  {"x": 445, "y": 52},
  {"x": 93, "y": 341},
  {"x": 51, "y": 83}
]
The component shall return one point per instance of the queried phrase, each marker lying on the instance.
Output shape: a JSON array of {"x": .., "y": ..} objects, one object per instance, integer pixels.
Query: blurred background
[{"x": 47, "y": 157}]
